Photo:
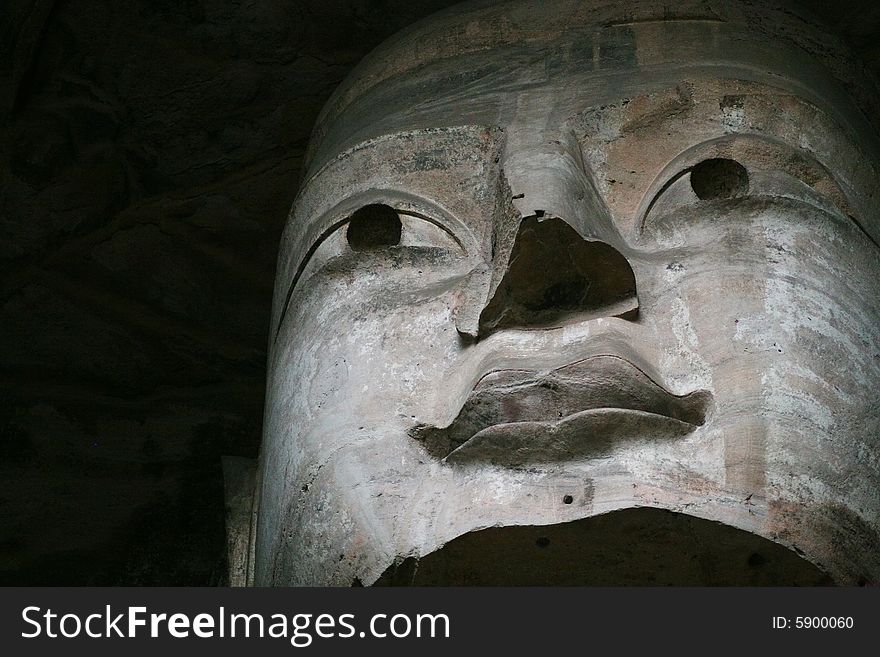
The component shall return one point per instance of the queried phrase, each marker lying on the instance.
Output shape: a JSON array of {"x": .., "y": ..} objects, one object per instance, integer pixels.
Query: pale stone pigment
[{"x": 580, "y": 293}]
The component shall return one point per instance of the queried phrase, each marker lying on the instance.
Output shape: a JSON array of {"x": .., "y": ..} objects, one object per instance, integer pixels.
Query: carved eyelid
[
  {"x": 687, "y": 160},
  {"x": 674, "y": 170},
  {"x": 403, "y": 203}
]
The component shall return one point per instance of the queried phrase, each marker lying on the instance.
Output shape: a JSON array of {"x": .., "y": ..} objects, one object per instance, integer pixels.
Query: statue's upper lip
[{"x": 516, "y": 416}]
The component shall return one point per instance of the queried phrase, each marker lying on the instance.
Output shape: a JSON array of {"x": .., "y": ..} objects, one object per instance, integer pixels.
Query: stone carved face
[{"x": 554, "y": 297}]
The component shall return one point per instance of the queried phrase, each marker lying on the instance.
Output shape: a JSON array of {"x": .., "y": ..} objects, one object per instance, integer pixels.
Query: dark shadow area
[
  {"x": 633, "y": 547},
  {"x": 719, "y": 178},
  {"x": 373, "y": 227},
  {"x": 554, "y": 275}
]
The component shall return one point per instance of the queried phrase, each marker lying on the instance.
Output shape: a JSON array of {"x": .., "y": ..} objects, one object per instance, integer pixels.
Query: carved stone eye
[
  {"x": 719, "y": 178},
  {"x": 373, "y": 227}
]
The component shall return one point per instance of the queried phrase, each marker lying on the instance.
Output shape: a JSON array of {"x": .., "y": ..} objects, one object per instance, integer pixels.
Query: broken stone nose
[
  {"x": 557, "y": 257},
  {"x": 555, "y": 276}
]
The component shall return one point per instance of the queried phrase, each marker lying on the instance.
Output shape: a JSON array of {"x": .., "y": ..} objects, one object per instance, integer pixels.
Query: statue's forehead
[
  {"x": 534, "y": 77},
  {"x": 626, "y": 137}
]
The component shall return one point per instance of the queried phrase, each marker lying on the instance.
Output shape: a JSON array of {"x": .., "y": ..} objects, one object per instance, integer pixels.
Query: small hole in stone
[
  {"x": 373, "y": 227},
  {"x": 568, "y": 499},
  {"x": 756, "y": 560},
  {"x": 719, "y": 178},
  {"x": 542, "y": 542}
]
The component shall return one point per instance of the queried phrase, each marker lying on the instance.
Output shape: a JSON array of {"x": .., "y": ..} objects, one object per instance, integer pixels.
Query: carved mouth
[{"x": 581, "y": 410}]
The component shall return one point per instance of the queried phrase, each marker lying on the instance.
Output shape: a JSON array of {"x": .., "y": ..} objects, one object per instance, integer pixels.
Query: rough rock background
[{"x": 149, "y": 152}]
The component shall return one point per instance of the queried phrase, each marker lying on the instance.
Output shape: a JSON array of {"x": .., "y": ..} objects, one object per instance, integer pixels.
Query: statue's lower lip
[
  {"x": 583, "y": 435},
  {"x": 579, "y": 410}
]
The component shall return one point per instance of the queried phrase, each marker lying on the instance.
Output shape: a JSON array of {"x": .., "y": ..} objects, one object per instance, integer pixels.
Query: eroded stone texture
[{"x": 637, "y": 267}]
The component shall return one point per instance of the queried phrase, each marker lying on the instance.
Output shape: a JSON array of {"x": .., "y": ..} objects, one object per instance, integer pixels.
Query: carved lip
[{"x": 580, "y": 410}]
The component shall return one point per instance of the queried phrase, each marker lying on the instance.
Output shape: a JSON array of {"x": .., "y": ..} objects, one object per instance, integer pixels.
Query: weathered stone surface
[
  {"x": 239, "y": 483},
  {"x": 492, "y": 371}
]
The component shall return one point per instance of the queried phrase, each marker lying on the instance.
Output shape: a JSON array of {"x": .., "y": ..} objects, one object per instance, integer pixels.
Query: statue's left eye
[
  {"x": 719, "y": 178},
  {"x": 710, "y": 180}
]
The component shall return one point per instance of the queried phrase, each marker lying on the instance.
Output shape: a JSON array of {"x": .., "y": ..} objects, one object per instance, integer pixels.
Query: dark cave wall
[{"x": 149, "y": 152}]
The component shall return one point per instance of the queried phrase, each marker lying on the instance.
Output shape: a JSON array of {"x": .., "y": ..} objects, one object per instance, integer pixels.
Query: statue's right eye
[
  {"x": 378, "y": 230},
  {"x": 374, "y": 226},
  {"x": 378, "y": 227},
  {"x": 376, "y": 235}
]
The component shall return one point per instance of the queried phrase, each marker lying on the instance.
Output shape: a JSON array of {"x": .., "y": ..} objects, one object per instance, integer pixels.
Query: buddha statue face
[{"x": 572, "y": 296}]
